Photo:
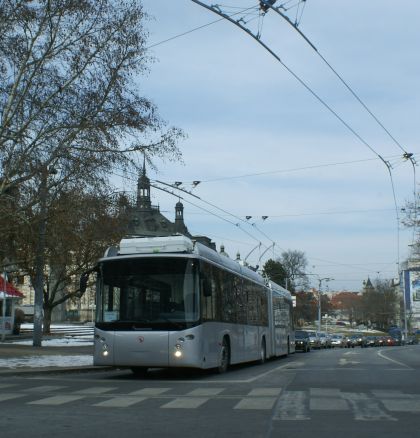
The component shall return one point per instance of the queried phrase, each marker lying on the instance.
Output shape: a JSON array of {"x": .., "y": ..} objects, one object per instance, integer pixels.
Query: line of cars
[{"x": 305, "y": 340}]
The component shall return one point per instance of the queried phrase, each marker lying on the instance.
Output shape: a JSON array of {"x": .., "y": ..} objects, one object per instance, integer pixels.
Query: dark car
[
  {"x": 302, "y": 341},
  {"x": 389, "y": 341},
  {"x": 370, "y": 341},
  {"x": 348, "y": 342},
  {"x": 412, "y": 340},
  {"x": 357, "y": 339}
]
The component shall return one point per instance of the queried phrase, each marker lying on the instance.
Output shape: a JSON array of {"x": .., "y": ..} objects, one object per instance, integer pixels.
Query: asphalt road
[{"x": 344, "y": 393}]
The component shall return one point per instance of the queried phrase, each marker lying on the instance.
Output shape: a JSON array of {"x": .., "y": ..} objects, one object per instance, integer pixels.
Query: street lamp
[{"x": 320, "y": 280}]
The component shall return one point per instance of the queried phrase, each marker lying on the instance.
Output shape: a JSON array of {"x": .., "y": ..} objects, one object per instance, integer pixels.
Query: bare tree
[
  {"x": 69, "y": 81},
  {"x": 80, "y": 227},
  {"x": 294, "y": 262},
  {"x": 70, "y": 106},
  {"x": 380, "y": 304}
]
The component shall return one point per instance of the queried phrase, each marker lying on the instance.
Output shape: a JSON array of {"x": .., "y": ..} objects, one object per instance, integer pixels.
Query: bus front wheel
[{"x": 224, "y": 357}]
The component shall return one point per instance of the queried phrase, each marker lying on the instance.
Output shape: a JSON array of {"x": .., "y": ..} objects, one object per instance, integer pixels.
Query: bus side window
[{"x": 206, "y": 285}]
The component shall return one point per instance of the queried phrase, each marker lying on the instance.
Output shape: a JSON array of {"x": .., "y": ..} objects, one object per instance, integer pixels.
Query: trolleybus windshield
[{"x": 148, "y": 293}]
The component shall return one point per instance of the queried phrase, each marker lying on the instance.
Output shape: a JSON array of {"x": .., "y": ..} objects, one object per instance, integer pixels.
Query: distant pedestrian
[{"x": 19, "y": 319}]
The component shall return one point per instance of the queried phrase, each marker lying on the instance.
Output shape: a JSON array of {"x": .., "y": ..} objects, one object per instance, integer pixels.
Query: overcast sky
[{"x": 262, "y": 144}]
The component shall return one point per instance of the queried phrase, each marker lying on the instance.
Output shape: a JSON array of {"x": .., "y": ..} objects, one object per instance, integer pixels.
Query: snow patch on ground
[
  {"x": 46, "y": 361},
  {"x": 61, "y": 342},
  {"x": 52, "y": 360}
]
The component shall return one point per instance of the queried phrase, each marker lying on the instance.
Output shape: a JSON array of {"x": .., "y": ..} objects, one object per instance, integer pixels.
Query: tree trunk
[{"x": 47, "y": 320}]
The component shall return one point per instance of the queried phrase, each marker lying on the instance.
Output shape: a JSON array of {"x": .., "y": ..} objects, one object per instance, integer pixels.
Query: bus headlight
[
  {"x": 178, "y": 351},
  {"x": 104, "y": 346}
]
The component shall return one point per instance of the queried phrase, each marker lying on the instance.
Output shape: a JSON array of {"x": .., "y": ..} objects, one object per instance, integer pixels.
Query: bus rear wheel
[{"x": 224, "y": 357}]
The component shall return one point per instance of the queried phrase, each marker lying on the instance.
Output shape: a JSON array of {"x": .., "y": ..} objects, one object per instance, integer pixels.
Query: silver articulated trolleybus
[{"x": 174, "y": 302}]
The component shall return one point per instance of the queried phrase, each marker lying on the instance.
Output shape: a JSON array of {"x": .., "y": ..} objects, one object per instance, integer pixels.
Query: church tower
[
  {"x": 179, "y": 218},
  {"x": 143, "y": 190}
]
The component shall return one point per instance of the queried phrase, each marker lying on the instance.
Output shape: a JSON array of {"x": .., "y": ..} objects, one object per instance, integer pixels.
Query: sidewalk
[{"x": 17, "y": 355}]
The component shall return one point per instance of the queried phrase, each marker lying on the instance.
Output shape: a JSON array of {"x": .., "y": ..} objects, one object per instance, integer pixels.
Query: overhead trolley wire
[
  {"x": 406, "y": 155},
  {"x": 237, "y": 225},
  {"x": 237, "y": 23}
]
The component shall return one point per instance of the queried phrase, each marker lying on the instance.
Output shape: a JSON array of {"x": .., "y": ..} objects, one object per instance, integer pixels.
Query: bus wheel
[
  {"x": 139, "y": 371},
  {"x": 224, "y": 357},
  {"x": 263, "y": 352}
]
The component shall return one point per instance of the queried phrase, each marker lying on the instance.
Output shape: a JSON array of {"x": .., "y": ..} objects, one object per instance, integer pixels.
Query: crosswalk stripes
[
  {"x": 285, "y": 405},
  {"x": 95, "y": 390},
  {"x": 45, "y": 388},
  {"x": 291, "y": 406},
  {"x": 120, "y": 402},
  {"x": 366, "y": 408},
  {"x": 185, "y": 403},
  {"x": 327, "y": 399},
  {"x": 150, "y": 392},
  {"x": 256, "y": 403},
  {"x": 6, "y": 397},
  {"x": 56, "y": 400}
]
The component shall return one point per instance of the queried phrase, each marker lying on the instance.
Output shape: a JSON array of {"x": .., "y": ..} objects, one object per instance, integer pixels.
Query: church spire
[
  {"x": 143, "y": 189},
  {"x": 179, "y": 218}
]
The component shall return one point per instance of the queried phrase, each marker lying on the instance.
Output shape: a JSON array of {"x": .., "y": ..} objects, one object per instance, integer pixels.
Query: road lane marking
[
  {"x": 366, "y": 408},
  {"x": 325, "y": 392},
  {"x": 185, "y": 403},
  {"x": 267, "y": 392},
  {"x": 94, "y": 390},
  {"x": 205, "y": 392},
  {"x": 56, "y": 400},
  {"x": 263, "y": 403},
  {"x": 5, "y": 397},
  {"x": 391, "y": 393},
  {"x": 120, "y": 402},
  {"x": 291, "y": 407},
  {"x": 150, "y": 391},
  {"x": 380, "y": 354},
  {"x": 402, "y": 405},
  {"x": 45, "y": 388}
]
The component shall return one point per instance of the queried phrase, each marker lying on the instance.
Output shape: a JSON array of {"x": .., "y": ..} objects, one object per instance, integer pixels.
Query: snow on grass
[{"x": 66, "y": 341}]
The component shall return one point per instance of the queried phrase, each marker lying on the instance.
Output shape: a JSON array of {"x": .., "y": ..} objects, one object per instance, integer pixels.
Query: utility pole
[{"x": 320, "y": 280}]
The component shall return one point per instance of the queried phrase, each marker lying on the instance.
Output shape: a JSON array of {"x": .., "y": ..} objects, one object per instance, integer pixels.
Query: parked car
[
  {"x": 380, "y": 340},
  {"x": 412, "y": 340},
  {"x": 337, "y": 340},
  {"x": 348, "y": 342},
  {"x": 302, "y": 341},
  {"x": 324, "y": 339},
  {"x": 389, "y": 341},
  {"x": 314, "y": 339},
  {"x": 370, "y": 341},
  {"x": 357, "y": 339}
]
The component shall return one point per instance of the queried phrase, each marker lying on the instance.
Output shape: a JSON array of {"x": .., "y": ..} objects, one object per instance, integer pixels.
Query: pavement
[{"x": 16, "y": 358}]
